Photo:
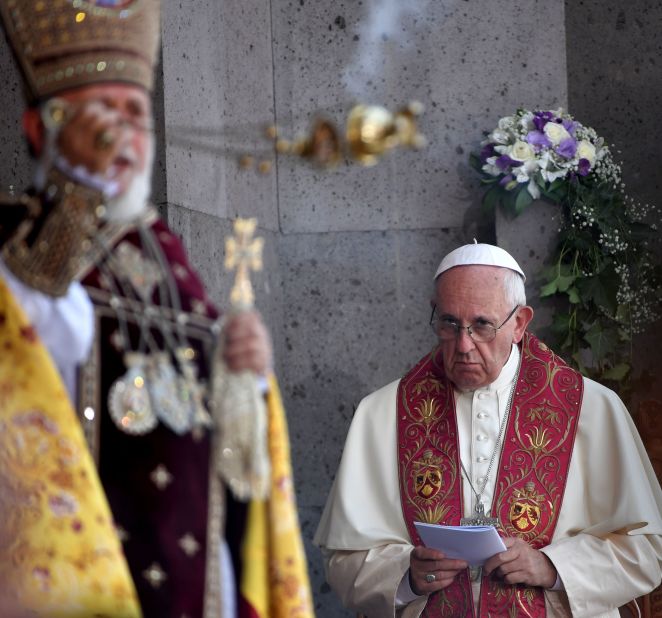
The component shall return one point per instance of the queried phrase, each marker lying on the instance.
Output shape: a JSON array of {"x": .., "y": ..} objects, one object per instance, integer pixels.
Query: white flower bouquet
[
  {"x": 604, "y": 274},
  {"x": 534, "y": 154}
]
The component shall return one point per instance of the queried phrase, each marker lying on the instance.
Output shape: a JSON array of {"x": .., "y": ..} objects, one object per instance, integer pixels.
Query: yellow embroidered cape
[
  {"x": 274, "y": 582},
  {"x": 59, "y": 552}
]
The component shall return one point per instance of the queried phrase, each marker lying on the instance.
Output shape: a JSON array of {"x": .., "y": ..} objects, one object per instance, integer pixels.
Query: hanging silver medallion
[
  {"x": 195, "y": 388},
  {"x": 170, "y": 402},
  {"x": 128, "y": 398}
]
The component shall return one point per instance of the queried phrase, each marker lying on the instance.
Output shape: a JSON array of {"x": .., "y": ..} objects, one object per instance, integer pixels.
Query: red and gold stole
[{"x": 531, "y": 476}]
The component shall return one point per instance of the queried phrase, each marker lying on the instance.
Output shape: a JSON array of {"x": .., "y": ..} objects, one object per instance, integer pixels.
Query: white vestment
[
  {"x": 606, "y": 548},
  {"x": 65, "y": 325}
]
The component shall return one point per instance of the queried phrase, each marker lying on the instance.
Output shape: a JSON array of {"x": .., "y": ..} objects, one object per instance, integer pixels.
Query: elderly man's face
[
  {"x": 467, "y": 294},
  {"x": 107, "y": 132},
  {"x": 120, "y": 112}
]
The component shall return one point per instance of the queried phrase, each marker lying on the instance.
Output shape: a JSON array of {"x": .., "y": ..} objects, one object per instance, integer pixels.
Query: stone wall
[
  {"x": 615, "y": 83},
  {"x": 15, "y": 171}
]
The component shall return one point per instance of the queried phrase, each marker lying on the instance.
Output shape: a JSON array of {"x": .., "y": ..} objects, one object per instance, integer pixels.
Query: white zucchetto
[{"x": 479, "y": 254}]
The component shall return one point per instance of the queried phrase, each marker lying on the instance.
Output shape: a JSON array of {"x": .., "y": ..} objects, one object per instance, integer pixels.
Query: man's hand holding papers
[
  {"x": 450, "y": 549},
  {"x": 473, "y": 544},
  {"x": 425, "y": 561},
  {"x": 522, "y": 564}
]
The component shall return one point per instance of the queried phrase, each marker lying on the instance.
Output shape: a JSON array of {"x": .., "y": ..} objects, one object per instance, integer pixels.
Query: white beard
[
  {"x": 133, "y": 202},
  {"x": 120, "y": 208}
]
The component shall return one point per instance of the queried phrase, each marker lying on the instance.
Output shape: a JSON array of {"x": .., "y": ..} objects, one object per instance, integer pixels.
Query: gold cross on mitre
[{"x": 244, "y": 253}]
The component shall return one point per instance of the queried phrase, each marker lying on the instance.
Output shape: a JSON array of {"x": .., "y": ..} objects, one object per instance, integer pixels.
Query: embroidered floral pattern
[
  {"x": 532, "y": 473},
  {"x": 57, "y": 547}
]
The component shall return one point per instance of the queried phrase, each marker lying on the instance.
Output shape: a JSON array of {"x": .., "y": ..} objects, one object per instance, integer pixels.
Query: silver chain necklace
[{"x": 480, "y": 518}]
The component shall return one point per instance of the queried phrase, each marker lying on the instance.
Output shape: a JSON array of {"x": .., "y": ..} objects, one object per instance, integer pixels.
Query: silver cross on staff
[{"x": 244, "y": 253}]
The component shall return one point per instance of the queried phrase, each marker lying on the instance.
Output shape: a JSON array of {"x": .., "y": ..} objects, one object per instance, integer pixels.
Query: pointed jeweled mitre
[{"x": 64, "y": 44}]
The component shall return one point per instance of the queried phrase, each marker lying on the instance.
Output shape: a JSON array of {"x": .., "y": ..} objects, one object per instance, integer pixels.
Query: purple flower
[
  {"x": 540, "y": 119},
  {"x": 569, "y": 125},
  {"x": 583, "y": 167},
  {"x": 538, "y": 140},
  {"x": 487, "y": 152},
  {"x": 504, "y": 162},
  {"x": 506, "y": 179},
  {"x": 567, "y": 148}
]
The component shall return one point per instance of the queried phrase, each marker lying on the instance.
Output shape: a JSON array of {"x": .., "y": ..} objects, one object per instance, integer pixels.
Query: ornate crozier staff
[{"x": 240, "y": 410}]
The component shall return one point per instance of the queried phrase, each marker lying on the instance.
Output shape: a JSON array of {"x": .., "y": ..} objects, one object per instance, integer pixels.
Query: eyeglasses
[
  {"x": 55, "y": 112},
  {"x": 480, "y": 331}
]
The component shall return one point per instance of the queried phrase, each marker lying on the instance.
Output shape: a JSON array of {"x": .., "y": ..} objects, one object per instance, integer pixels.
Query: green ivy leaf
[
  {"x": 474, "y": 161},
  {"x": 555, "y": 198},
  {"x": 549, "y": 288},
  {"x": 601, "y": 289},
  {"x": 560, "y": 323},
  {"x": 577, "y": 357},
  {"x": 555, "y": 192},
  {"x": 557, "y": 184},
  {"x": 522, "y": 200},
  {"x": 617, "y": 372},
  {"x": 508, "y": 202},
  {"x": 564, "y": 282},
  {"x": 601, "y": 340},
  {"x": 491, "y": 199},
  {"x": 560, "y": 284},
  {"x": 573, "y": 296}
]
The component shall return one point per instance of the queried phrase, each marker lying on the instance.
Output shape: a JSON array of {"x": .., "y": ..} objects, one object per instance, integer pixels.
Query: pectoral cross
[
  {"x": 479, "y": 518},
  {"x": 244, "y": 253}
]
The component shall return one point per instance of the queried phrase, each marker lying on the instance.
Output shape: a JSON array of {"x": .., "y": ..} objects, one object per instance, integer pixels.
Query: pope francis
[{"x": 492, "y": 428}]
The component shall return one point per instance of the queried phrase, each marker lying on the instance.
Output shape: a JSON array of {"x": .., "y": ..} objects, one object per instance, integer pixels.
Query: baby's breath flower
[{"x": 602, "y": 231}]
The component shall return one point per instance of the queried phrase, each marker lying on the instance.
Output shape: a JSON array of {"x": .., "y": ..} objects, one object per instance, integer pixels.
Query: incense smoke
[{"x": 391, "y": 26}]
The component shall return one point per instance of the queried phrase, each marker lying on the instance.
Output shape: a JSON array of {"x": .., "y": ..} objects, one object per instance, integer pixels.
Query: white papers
[{"x": 475, "y": 544}]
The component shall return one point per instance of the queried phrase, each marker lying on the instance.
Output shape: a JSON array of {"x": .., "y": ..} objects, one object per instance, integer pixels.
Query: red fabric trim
[
  {"x": 538, "y": 445},
  {"x": 428, "y": 446},
  {"x": 246, "y": 610}
]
